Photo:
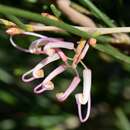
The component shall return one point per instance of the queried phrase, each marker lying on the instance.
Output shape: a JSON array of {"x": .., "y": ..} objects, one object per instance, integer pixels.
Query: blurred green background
[{"x": 21, "y": 109}]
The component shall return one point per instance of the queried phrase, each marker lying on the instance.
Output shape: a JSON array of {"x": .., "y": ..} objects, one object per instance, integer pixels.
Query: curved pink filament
[
  {"x": 46, "y": 61},
  {"x": 43, "y": 63},
  {"x": 70, "y": 89},
  {"x": 39, "y": 89},
  {"x": 51, "y": 39},
  {"x": 28, "y": 79},
  {"x": 42, "y": 87},
  {"x": 62, "y": 55},
  {"x": 54, "y": 73},
  {"x": 43, "y": 38},
  {"x": 84, "y": 51},
  {"x": 79, "y": 105},
  {"x": 34, "y": 34},
  {"x": 18, "y": 47}
]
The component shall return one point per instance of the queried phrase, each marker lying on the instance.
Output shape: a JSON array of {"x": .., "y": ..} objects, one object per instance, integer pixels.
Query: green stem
[
  {"x": 108, "y": 49},
  {"x": 6, "y": 23},
  {"x": 16, "y": 21},
  {"x": 43, "y": 19},
  {"x": 123, "y": 123},
  {"x": 55, "y": 11},
  {"x": 48, "y": 21},
  {"x": 97, "y": 12},
  {"x": 79, "y": 8}
]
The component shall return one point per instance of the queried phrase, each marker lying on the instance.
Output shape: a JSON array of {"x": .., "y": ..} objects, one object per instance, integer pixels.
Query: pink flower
[{"x": 52, "y": 47}]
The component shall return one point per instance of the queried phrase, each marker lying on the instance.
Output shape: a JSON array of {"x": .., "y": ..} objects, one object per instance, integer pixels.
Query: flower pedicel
[{"x": 52, "y": 47}]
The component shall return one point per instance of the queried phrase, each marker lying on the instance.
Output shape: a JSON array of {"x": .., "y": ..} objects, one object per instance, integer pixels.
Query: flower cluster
[{"x": 53, "y": 49}]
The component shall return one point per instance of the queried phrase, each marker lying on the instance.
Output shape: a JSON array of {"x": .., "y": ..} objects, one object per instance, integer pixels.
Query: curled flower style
[
  {"x": 44, "y": 85},
  {"x": 37, "y": 71},
  {"x": 85, "y": 97},
  {"x": 53, "y": 48}
]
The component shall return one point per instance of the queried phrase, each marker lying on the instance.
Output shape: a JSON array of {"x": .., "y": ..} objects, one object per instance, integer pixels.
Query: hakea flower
[{"x": 52, "y": 47}]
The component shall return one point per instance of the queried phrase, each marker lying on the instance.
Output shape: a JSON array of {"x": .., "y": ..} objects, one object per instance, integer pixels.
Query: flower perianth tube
[
  {"x": 38, "y": 67},
  {"x": 62, "y": 96},
  {"x": 60, "y": 44},
  {"x": 85, "y": 97},
  {"x": 79, "y": 105},
  {"x": 41, "y": 87}
]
